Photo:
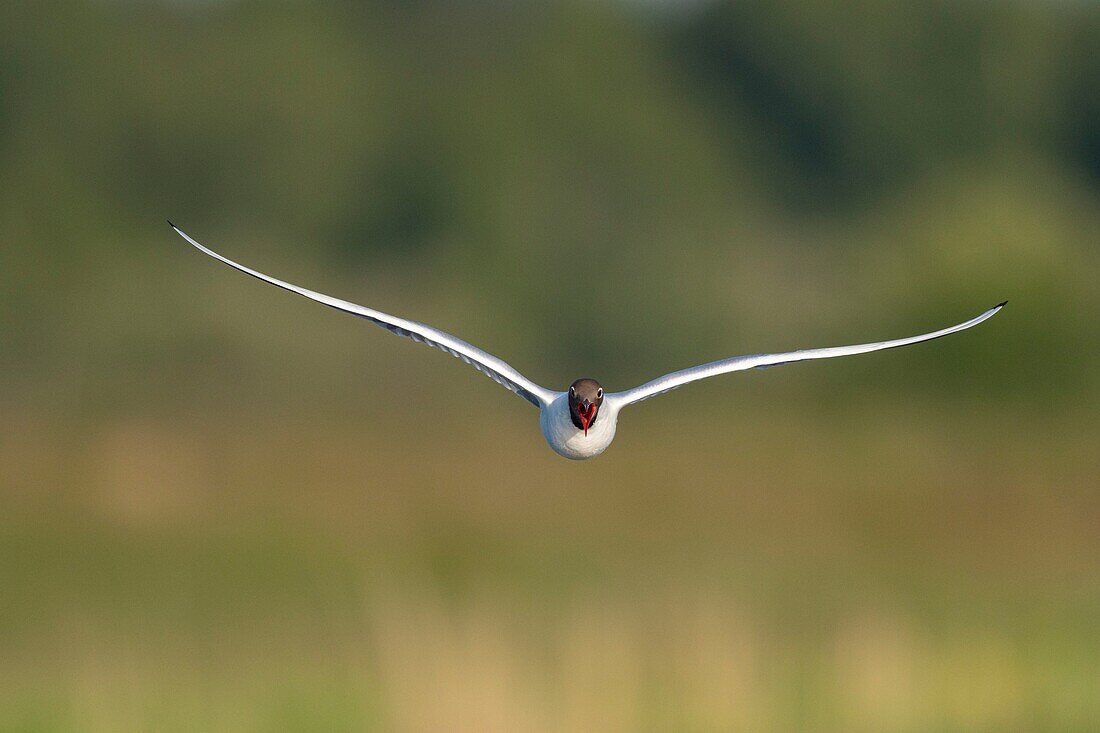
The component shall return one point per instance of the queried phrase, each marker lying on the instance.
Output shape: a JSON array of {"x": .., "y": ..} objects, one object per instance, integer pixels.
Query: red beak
[{"x": 586, "y": 411}]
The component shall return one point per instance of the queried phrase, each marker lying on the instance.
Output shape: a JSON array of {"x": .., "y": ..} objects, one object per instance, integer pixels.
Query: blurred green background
[{"x": 228, "y": 509}]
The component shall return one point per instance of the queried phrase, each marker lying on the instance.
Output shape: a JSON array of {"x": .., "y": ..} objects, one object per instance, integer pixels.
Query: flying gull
[{"x": 579, "y": 423}]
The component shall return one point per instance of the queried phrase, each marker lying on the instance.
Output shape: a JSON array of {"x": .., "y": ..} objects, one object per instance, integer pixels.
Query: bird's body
[
  {"x": 580, "y": 422},
  {"x": 566, "y": 439}
]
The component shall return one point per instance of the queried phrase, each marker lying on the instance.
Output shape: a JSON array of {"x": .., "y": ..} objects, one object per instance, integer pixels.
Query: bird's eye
[
  {"x": 572, "y": 392},
  {"x": 599, "y": 393}
]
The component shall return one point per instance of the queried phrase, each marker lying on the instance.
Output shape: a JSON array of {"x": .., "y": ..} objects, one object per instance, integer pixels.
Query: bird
[{"x": 579, "y": 423}]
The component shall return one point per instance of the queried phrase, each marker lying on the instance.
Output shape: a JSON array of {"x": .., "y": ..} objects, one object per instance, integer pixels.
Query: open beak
[{"x": 586, "y": 411}]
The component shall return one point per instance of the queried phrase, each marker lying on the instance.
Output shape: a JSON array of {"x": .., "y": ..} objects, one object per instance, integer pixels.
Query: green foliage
[{"x": 647, "y": 165}]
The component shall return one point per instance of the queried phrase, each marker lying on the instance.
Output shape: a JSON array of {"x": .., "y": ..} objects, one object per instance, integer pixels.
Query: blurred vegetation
[{"x": 226, "y": 509}]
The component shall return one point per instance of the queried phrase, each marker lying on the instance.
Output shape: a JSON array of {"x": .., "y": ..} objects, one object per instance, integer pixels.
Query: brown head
[{"x": 585, "y": 399}]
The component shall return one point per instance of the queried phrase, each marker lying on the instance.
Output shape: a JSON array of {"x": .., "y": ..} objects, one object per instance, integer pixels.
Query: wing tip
[
  {"x": 185, "y": 236},
  {"x": 1000, "y": 305}
]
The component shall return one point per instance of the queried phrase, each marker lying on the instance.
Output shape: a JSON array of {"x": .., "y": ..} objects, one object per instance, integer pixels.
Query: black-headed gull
[{"x": 580, "y": 422}]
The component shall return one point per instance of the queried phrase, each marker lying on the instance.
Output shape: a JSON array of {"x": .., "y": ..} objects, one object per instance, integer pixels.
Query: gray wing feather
[
  {"x": 760, "y": 361},
  {"x": 489, "y": 365}
]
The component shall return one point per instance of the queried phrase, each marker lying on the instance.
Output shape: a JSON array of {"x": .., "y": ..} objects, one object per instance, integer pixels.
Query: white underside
[{"x": 564, "y": 437}]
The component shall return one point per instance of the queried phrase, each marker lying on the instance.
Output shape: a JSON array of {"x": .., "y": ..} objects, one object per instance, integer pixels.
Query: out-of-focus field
[
  {"x": 929, "y": 571},
  {"x": 224, "y": 508}
]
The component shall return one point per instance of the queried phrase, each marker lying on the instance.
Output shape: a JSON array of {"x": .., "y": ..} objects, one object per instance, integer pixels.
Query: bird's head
[{"x": 585, "y": 399}]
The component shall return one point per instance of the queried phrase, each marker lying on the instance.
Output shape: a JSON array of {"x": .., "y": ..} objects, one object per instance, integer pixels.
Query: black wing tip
[
  {"x": 172, "y": 225},
  {"x": 1002, "y": 304}
]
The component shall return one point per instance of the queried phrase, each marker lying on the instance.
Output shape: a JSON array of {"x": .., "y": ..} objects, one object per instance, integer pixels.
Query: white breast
[{"x": 564, "y": 437}]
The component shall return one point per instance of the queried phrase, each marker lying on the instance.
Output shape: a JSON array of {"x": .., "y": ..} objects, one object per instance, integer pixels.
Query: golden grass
[{"x": 771, "y": 576}]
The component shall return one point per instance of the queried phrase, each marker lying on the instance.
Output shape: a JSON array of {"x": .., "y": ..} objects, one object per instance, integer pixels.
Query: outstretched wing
[
  {"x": 489, "y": 365},
  {"x": 758, "y": 361}
]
